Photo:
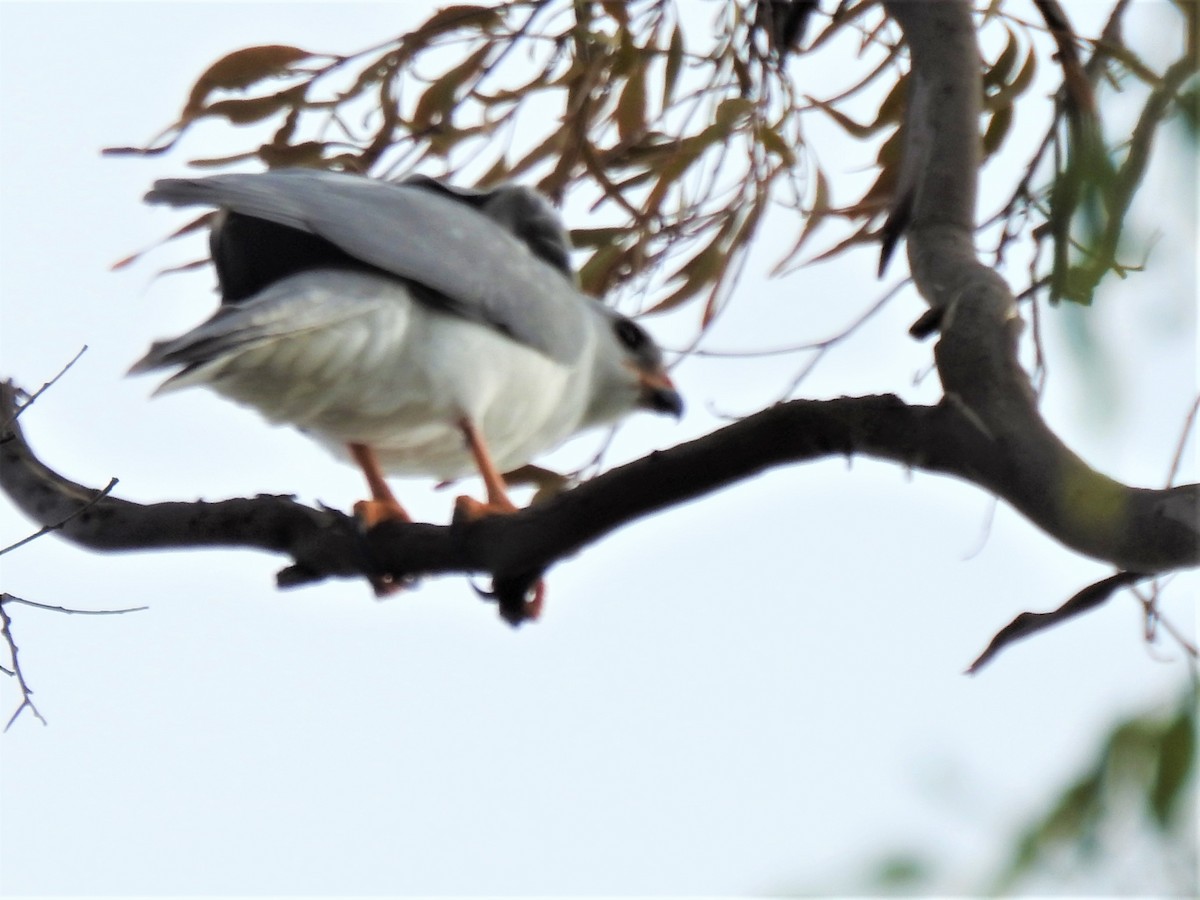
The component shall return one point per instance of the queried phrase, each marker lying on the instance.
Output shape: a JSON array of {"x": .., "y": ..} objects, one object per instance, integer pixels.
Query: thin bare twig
[
  {"x": 22, "y": 685},
  {"x": 71, "y": 611},
  {"x": 7, "y": 635},
  {"x": 46, "y": 529},
  {"x": 1177, "y": 459},
  {"x": 32, "y": 397}
]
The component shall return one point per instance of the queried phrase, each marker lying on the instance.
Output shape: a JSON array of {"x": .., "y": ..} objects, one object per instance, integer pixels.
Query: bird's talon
[
  {"x": 371, "y": 512},
  {"x": 533, "y": 605},
  {"x": 468, "y": 509}
]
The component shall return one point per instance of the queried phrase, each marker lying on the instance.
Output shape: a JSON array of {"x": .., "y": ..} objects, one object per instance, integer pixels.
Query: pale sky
[{"x": 756, "y": 692}]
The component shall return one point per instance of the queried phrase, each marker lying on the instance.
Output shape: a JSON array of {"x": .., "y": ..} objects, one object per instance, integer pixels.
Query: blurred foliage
[
  {"x": 1132, "y": 807},
  {"x": 1146, "y": 770},
  {"x": 683, "y": 136}
]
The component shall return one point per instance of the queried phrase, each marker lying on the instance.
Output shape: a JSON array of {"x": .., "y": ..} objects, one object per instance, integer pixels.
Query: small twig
[
  {"x": 29, "y": 401},
  {"x": 1177, "y": 460},
  {"x": 46, "y": 529},
  {"x": 9, "y": 598},
  {"x": 1028, "y": 623},
  {"x": 6, "y": 633},
  {"x": 15, "y": 672}
]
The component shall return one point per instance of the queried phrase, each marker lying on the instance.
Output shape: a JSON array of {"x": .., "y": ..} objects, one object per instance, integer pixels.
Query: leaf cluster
[
  {"x": 683, "y": 138},
  {"x": 1081, "y": 206},
  {"x": 683, "y": 144},
  {"x": 1146, "y": 764}
]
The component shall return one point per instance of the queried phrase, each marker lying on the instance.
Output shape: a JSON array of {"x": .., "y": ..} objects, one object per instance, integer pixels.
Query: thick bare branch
[
  {"x": 516, "y": 549},
  {"x": 977, "y": 353}
]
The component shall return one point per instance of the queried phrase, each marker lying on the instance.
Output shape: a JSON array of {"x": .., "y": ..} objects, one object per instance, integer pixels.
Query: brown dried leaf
[
  {"x": 246, "y": 112},
  {"x": 201, "y": 221},
  {"x": 773, "y": 142},
  {"x": 687, "y": 152},
  {"x": 1007, "y": 94},
  {"x": 891, "y": 110},
  {"x": 863, "y": 236},
  {"x": 854, "y": 129},
  {"x": 732, "y": 112},
  {"x": 817, "y": 215},
  {"x": 999, "y": 71},
  {"x": 841, "y": 18},
  {"x": 307, "y": 154},
  {"x": 439, "y": 98},
  {"x": 496, "y": 174},
  {"x": 673, "y": 65},
  {"x": 239, "y": 70},
  {"x": 549, "y": 147},
  {"x": 697, "y": 273},
  {"x": 631, "y": 107},
  {"x": 597, "y": 237},
  {"x": 453, "y": 18},
  {"x": 596, "y": 274},
  {"x": 997, "y": 130}
]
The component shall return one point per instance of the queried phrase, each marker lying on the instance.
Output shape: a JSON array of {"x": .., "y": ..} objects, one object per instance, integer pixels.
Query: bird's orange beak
[{"x": 658, "y": 393}]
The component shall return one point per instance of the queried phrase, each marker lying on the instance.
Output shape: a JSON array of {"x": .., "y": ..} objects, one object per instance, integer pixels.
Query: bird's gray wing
[
  {"x": 522, "y": 210},
  {"x": 474, "y": 267}
]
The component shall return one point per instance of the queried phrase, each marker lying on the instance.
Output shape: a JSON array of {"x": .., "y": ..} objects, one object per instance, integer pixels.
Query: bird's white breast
[{"x": 352, "y": 357}]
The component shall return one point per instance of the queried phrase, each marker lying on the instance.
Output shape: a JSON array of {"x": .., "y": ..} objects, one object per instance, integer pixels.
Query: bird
[{"x": 412, "y": 327}]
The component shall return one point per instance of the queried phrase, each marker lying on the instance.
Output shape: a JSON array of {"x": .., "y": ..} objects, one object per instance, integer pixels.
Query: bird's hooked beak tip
[{"x": 660, "y": 395}]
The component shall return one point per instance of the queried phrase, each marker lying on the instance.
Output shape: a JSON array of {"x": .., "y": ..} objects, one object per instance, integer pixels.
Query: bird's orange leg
[
  {"x": 383, "y": 505},
  {"x": 498, "y": 502}
]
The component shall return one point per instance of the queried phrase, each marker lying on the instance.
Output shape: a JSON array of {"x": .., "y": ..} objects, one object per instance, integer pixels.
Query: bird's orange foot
[
  {"x": 468, "y": 509},
  {"x": 371, "y": 512}
]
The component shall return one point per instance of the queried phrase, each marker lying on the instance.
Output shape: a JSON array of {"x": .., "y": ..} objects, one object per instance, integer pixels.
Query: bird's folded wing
[
  {"x": 306, "y": 304},
  {"x": 475, "y": 268}
]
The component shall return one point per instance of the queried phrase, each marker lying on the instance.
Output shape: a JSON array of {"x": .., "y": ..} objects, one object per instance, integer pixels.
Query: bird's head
[{"x": 628, "y": 371}]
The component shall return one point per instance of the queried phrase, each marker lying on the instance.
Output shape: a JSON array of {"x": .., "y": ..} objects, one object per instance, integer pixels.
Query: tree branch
[
  {"x": 515, "y": 550},
  {"x": 977, "y": 354}
]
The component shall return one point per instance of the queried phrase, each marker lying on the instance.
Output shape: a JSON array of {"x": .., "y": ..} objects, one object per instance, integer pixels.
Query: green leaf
[{"x": 1175, "y": 763}]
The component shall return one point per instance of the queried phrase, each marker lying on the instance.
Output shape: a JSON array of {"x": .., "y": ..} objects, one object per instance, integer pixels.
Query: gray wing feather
[
  {"x": 279, "y": 311},
  {"x": 478, "y": 269}
]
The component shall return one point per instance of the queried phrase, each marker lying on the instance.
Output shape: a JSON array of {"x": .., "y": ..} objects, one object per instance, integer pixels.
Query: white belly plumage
[{"x": 352, "y": 357}]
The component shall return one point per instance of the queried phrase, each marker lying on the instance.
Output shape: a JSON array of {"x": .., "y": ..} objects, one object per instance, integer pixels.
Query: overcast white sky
[{"x": 755, "y": 692}]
